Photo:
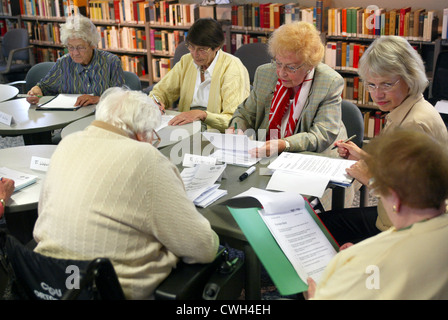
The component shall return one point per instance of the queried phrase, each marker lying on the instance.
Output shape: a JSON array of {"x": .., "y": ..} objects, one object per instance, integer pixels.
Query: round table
[
  {"x": 7, "y": 92},
  {"x": 36, "y": 125}
]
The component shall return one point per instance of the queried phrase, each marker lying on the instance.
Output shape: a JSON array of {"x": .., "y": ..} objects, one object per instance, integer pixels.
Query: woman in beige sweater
[{"x": 110, "y": 193}]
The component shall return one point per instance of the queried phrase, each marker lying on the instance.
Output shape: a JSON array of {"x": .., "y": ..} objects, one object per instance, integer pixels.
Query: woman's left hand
[
  {"x": 187, "y": 117},
  {"x": 360, "y": 172},
  {"x": 270, "y": 148},
  {"x": 86, "y": 99},
  {"x": 311, "y": 288}
]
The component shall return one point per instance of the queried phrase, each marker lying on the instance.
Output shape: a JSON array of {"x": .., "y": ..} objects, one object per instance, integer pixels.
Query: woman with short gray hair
[{"x": 84, "y": 70}]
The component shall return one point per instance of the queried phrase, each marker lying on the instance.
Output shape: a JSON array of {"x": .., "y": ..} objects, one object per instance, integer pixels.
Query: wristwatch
[
  {"x": 287, "y": 146},
  {"x": 2, "y": 201}
]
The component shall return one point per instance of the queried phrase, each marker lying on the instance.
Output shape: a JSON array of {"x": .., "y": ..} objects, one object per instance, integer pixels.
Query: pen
[
  {"x": 235, "y": 127},
  {"x": 158, "y": 102},
  {"x": 26, "y": 96},
  {"x": 247, "y": 173},
  {"x": 347, "y": 140}
]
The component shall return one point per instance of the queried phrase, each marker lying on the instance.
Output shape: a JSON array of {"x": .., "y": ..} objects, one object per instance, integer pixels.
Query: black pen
[
  {"x": 247, "y": 173},
  {"x": 347, "y": 140}
]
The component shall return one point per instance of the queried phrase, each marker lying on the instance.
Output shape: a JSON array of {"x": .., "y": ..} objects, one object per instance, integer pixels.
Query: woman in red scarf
[{"x": 295, "y": 103}]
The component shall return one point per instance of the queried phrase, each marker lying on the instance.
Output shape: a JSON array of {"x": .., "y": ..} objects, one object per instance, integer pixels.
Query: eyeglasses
[
  {"x": 383, "y": 87},
  {"x": 78, "y": 48},
  {"x": 155, "y": 139},
  {"x": 288, "y": 68},
  {"x": 192, "y": 48}
]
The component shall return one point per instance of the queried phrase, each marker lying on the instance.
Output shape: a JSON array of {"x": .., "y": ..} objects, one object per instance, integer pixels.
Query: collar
[
  {"x": 399, "y": 113},
  {"x": 109, "y": 127},
  {"x": 212, "y": 65}
]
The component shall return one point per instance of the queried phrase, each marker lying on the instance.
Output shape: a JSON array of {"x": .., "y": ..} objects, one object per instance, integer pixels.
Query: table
[
  {"x": 169, "y": 135},
  {"x": 36, "y": 126},
  {"x": 7, "y": 92},
  {"x": 21, "y": 209}
]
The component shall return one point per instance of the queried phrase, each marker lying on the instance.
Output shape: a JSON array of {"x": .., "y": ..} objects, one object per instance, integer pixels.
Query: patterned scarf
[{"x": 280, "y": 105}]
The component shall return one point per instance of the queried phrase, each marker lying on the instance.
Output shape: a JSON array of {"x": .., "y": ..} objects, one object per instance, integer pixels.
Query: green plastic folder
[{"x": 269, "y": 252}]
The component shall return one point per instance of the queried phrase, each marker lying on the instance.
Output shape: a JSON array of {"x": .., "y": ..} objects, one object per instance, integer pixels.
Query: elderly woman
[
  {"x": 84, "y": 70},
  {"x": 296, "y": 101},
  {"x": 121, "y": 198},
  {"x": 6, "y": 190},
  {"x": 208, "y": 82},
  {"x": 394, "y": 74},
  {"x": 409, "y": 260}
]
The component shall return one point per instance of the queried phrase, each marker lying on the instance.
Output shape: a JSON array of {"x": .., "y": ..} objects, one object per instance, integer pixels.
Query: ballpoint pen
[
  {"x": 27, "y": 96},
  {"x": 345, "y": 141},
  {"x": 158, "y": 102}
]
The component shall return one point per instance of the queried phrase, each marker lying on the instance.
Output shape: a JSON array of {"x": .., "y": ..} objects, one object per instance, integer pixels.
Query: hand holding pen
[
  {"x": 34, "y": 95},
  {"x": 161, "y": 106}
]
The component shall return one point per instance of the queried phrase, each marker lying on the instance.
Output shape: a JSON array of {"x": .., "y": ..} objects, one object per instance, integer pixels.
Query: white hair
[
  {"x": 80, "y": 27},
  {"x": 131, "y": 111}
]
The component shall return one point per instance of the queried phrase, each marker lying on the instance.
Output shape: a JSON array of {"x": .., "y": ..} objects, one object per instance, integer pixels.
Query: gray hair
[
  {"x": 80, "y": 27},
  {"x": 131, "y": 111},
  {"x": 393, "y": 55}
]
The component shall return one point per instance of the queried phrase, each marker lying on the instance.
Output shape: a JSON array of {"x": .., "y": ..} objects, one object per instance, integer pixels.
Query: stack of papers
[
  {"x": 200, "y": 183},
  {"x": 233, "y": 148},
  {"x": 21, "y": 180},
  {"x": 308, "y": 174}
]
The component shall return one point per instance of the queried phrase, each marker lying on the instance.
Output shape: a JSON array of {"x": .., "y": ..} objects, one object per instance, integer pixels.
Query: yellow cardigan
[{"x": 229, "y": 87}]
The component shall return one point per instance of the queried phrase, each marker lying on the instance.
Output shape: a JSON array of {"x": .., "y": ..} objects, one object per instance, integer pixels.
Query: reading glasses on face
[
  {"x": 78, "y": 48},
  {"x": 383, "y": 87},
  {"x": 193, "y": 48},
  {"x": 288, "y": 68}
]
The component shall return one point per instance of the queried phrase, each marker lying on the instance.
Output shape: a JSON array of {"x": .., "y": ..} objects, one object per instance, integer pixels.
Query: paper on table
[
  {"x": 164, "y": 123},
  {"x": 305, "y": 184},
  {"x": 332, "y": 168},
  {"x": 442, "y": 106},
  {"x": 190, "y": 160},
  {"x": 200, "y": 178},
  {"x": 62, "y": 101},
  {"x": 21, "y": 180},
  {"x": 233, "y": 148}
]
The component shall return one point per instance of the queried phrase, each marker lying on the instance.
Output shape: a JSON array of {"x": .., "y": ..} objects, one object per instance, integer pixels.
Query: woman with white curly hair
[{"x": 84, "y": 70}]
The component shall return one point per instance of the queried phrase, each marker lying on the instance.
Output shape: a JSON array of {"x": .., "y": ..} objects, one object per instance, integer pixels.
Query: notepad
[
  {"x": 63, "y": 101},
  {"x": 21, "y": 180}
]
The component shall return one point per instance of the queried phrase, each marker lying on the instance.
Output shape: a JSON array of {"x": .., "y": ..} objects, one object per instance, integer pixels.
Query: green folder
[{"x": 269, "y": 252}]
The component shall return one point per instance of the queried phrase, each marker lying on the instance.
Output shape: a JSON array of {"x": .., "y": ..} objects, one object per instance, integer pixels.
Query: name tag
[
  {"x": 5, "y": 118},
  {"x": 40, "y": 164},
  {"x": 190, "y": 160}
]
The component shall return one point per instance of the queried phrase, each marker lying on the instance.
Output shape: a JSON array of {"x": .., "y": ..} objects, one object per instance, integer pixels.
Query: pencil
[{"x": 347, "y": 140}]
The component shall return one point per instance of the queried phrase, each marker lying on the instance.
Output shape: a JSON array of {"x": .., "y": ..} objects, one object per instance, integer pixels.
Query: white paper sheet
[{"x": 305, "y": 184}]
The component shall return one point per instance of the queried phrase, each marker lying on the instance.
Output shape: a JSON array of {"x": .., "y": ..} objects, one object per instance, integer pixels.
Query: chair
[
  {"x": 37, "y": 277},
  {"x": 253, "y": 55},
  {"x": 181, "y": 49},
  {"x": 354, "y": 123},
  {"x": 17, "y": 56},
  {"x": 132, "y": 81},
  {"x": 36, "y": 73}
]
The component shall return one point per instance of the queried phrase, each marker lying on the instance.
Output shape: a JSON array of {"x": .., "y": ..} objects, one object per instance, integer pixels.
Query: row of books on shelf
[
  {"x": 172, "y": 13},
  {"x": 48, "y": 8},
  {"x": 269, "y": 16},
  {"x": 341, "y": 55},
  {"x": 355, "y": 92},
  {"x": 374, "y": 122},
  {"x": 118, "y": 11},
  {"x": 413, "y": 24},
  {"x": 160, "y": 67},
  {"x": 122, "y": 38},
  {"x": 43, "y": 32},
  {"x": 6, "y": 25},
  {"x": 239, "y": 39},
  {"x": 165, "y": 41}
]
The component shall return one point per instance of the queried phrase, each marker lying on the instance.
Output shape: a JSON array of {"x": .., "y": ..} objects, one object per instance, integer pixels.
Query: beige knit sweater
[{"x": 106, "y": 195}]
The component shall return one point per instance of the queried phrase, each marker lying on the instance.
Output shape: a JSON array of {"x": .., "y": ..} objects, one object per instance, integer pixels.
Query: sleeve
[
  {"x": 234, "y": 88},
  {"x": 321, "y": 131},
  {"x": 50, "y": 83},
  {"x": 168, "y": 88},
  {"x": 116, "y": 73},
  {"x": 175, "y": 221}
]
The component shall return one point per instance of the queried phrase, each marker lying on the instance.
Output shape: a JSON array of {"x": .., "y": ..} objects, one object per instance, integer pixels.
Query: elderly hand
[
  {"x": 270, "y": 148},
  {"x": 6, "y": 190},
  {"x": 86, "y": 99},
  {"x": 34, "y": 95},
  {"x": 349, "y": 150},
  {"x": 311, "y": 289},
  {"x": 187, "y": 117},
  {"x": 231, "y": 130},
  {"x": 360, "y": 172}
]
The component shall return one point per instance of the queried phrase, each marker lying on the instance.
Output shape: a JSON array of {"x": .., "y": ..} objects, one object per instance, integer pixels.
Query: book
[
  {"x": 21, "y": 180},
  {"x": 286, "y": 234},
  {"x": 62, "y": 101}
]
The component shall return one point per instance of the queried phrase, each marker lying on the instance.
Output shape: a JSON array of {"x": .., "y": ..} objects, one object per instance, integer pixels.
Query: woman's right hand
[
  {"x": 34, "y": 95},
  {"x": 349, "y": 150}
]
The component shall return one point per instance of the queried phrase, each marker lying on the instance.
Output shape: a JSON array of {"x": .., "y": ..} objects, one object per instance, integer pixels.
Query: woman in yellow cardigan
[{"x": 209, "y": 83}]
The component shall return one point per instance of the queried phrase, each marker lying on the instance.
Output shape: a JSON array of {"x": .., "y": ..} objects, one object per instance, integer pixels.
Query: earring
[{"x": 394, "y": 208}]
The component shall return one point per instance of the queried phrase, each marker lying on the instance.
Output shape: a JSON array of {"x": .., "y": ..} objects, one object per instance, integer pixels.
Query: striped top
[{"x": 67, "y": 76}]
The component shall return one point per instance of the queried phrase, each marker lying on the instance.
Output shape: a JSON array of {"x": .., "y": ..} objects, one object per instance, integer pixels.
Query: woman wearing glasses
[
  {"x": 394, "y": 74},
  {"x": 208, "y": 82},
  {"x": 84, "y": 70},
  {"x": 116, "y": 200},
  {"x": 295, "y": 103}
]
